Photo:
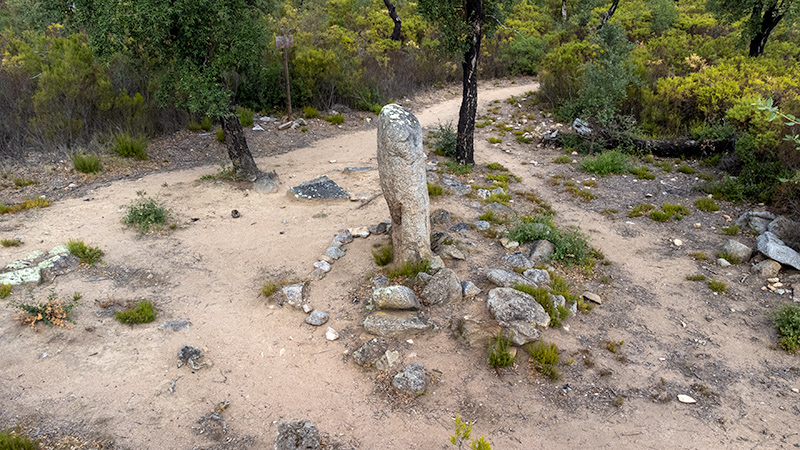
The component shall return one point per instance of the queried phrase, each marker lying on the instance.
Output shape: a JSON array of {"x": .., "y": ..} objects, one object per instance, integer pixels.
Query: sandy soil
[{"x": 108, "y": 384}]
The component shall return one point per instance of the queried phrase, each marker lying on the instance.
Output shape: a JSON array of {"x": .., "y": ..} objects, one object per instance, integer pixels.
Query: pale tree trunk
[
  {"x": 238, "y": 151},
  {"x": 564, "y": 10},
  {"x": 465, "y": 148}
]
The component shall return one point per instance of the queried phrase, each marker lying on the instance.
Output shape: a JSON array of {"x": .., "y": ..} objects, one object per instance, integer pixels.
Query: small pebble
[
  {"x": 677, "y": 242},
  {"x": 331, "y": 334},
  {"x": 686, "y": 399}
]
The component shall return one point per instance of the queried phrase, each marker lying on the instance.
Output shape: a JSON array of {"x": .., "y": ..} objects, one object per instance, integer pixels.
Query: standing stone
[{"x": 401, "y": 165}]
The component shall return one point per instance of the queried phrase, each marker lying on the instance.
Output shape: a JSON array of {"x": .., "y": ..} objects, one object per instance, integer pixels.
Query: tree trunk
[
  {"x": 606, "y": 16},
  {"x": 665, "y": 148},
  {"x": 768, "y": 23},
  {"x": 236, "y": 144},
  {"x": 397, "y": 22},
  {"x": 564, "y": 10},
  {"x": 465, "y": 148}
]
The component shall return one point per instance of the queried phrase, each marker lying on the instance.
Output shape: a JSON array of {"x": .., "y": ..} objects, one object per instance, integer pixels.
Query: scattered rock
[
  {"x": 474, "y": 333},
  {"x": 381, "y": 228},
  {"x": 440, "y": 216},
  {"x": 380, "y": 281},
  {"x": 331, "y": 334},
  {"x": 774, "y": 248},
  {"x": 370, "y": 352},
  {"x": 317, "y": 318},
  {"x": 539, "y": 251},
  {"x": 510, "y": 305},
  {"x": 469, "y": 290},
  {"x": 504, "y": 211},
  {"x": 334, "y": 253},
  {"x": 767, "y": 268},
  {"x": 482, "y": 225},
  {"x": 412, "y": 379},
  {"x": 452, "y": 252},
  {"x": 324, "y": 266},
  {"x": 686, "y": 399},
  {"x": 722, "y": 262},
  {"x": 504, "y": 278},
  {"x": 236, "y": 214},
  {"x": 297, "y": 436},
  {"x": 443, "y": 288},
  {"x": 349, "y": 170},
  {"x": 460, "y": 227},
  {"x": 319, "y": 188},
  {"x": 518, "y": 260},
  {"x": 265, "y": 184},
  {"x": 786, "y": 230},
  {"x": 390, "y": 324},
  {"x": 362, "y": 232},
  {"x": 294, "y": 294},
  {"x": 175, "y": 325},
  {"x": 190, "y": 355},
  {"x": 345, "y": 237},
  {"x": 395, "y": 297},
  {"x": 592, "y": 297},
  {"x": 738, "y": 250},
  {"x": 756, "y": 221},
  {"x": 539, "y": 277}
]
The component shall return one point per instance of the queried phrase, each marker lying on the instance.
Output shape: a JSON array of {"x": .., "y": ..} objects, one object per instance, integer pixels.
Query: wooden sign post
[{"x": 283, "y": 42}]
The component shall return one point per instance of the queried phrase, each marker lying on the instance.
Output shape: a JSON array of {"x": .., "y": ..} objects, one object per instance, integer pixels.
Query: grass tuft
[
  {"x": 16, "y": 440},
  {"x": 728, "y": 257},
  {"x": 643, "y": 173},
  {"x": 10, "y": 242},
  {"x": 706, "y": 204},
  {"x": 787, "y": 320},
  {"x": 496, "y": 166},
  {"x": 717, "y": 286},
  {"x": 410, "y": 269},
  {"x": 699, "y": 256},
  {"x": 245, "y": 116},
  {"x": 31, "y": 203},
  {"x": 309, "y": 112},
  {"x": 732, "y": 230},
  {"x": 143, "y": 312},
  {"x": 685, "y": 168},
  {"x": 640, "y": 210},
  {"x": 86, "y": 163},
  {"x": 456, "y": 168},
  {"x": 698, "y": 277},
  {"x": 5, "y": 290},
  {"x": 499, "y": 352},
  {"x": 544, "y": 358},
  {"x": 383, "y": 256},
  {"x": 613, "y": 161},
  {"x": 86, "y": 254},
  {"x": 127, "y": 146},
  {"x": 336, "y": 119},
  {"x": 434, "y": 190}
]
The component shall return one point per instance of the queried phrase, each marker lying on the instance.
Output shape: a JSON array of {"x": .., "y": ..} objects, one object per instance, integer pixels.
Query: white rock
[
  {"x": 331, "y": 334},
  {"x": 677, "y": 242},
  {"x": 686, "y": 399}
]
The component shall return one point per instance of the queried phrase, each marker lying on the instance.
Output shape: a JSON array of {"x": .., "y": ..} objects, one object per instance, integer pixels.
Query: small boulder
[
  {"x": 460, "y": 227},
  {"x": 294, "y": 294},
  {"x": 755, "y": 220},
  {"x": 300, "y": 435},
  {"x": 767, "y": 268},
  {"x": 474, "y": 333},
  {"x": 370, "y": 352},
  {"x": 317, "y": 318},
  {"x": 482, "y": 225},
  {"x": 395, "y": 323},
  {"x": 380, "y": 281},
  {"x": 345, "y": 237},
  {"x": 510, "y": 305},
  {"x": 175, "y": 325},
  {"x": 323, "y": 266},
  {"x": 412, "y": 379},
  {"x": 498, "y": 208},
  {"x": 504, "y": 278},
  {"x": 540, "y": 251},
  {"x": 452, "y": 252},
  {"x": 469, "y": 290},
  {"x": 786, "y": 230},
  {"x": 440, "y": 216},
  {"x": 774, "y": 248},
  {"x": 334, "y": 253},
  {"x": 395, "y": 297},
  {"x": 518, "y": 260},
  {"x": 539, "y": 277},
  {"x": 737, "y": 250},
  {"x": 443, "y": 288}
]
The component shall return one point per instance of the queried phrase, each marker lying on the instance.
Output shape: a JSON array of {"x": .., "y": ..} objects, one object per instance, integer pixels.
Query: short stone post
[{"x": 401, "y": 165}]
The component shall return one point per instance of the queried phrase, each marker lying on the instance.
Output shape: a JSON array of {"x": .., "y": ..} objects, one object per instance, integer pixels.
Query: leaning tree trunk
[
  {"x": 768, "y": 23},
  {"x": 465, "y": 148},
  {"x": 397, "y": 22},
  {"x": 606, "y": 16},
  {"x": 238, "y": 151},
  {"x": 665, "y": 148}
]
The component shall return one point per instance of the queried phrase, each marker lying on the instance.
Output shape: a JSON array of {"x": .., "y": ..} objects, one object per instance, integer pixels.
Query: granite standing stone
[{"x": 401, "y": 165}]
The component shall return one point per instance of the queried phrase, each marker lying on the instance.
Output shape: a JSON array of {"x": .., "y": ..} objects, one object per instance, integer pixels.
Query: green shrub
[
  {"x": 732, "y": 230},
  {"x": 206, "y": 123},
  {"x": 643, "y": 173},
  {"x": 410, "y": 269},
  {"x": 383, "y": 256},
  {"x": 499, "y": 352},
  {"x": 612, "y": 161},
  {"x": 435, "y": 190},
  {"x": 640, "y": 210},
  {"x": 659, "y": 216},
  {"x": 220, "y": 135},
  {"x": 5, "y": 290},
  {"x": 675, "y": 210},
  {"x": 563, "y": 159},
  {"x": 685, "y": 168},
  {"x": 52, "y": 312},
  {"x": 309, "y": 112},
  {"x": 544, "y": 358},
  {"x": 86, "y": 163},
  {"x": 491, "y": 217},
  {"x": 717, "y": 286},
  {"x": 245, "y": 116},
  {"x": 126, "y": 146},
  {"x": 494, "y": 140},
  {"x": 22, "y": 182},
  {"x": 571, "y": 246},
  {"x": 194, "y": 126},
  {"x": 502, "y": 198},
  {"x": 10, "y": 242},
  {"x": 144, "y": 213},
  {"x": 456, "y": 168},
  {"x": 787, "y": 320},
  {"x": 336, "y": 119},
  {"x": 522, "y": 139},
  {"x": 86, "y": 254},
  {"x": 728, "y": 257},
  {"x": 542, "y": 296},
  {"x": 143, "y": 312},
  {"x": 495, "y": 166},
  {"x": 444, "y": 140},
  {"x": 16, "y": 440},
  {"x": 706, "y": 204},
  {"x": 267, "y": 289}
]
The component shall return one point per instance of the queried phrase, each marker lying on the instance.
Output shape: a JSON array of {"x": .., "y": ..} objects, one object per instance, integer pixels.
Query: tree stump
[{"x": 401, "y": 165}]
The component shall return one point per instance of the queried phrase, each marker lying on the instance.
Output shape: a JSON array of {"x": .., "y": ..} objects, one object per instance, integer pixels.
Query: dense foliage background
[{"x": 74, "y": 73}]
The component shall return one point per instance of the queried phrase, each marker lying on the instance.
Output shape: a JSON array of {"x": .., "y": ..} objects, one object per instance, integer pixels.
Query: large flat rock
[{"x": 319, "y": 188}]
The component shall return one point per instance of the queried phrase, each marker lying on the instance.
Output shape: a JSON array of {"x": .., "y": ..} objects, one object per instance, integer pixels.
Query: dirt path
[{"x": 111, "y": 381}]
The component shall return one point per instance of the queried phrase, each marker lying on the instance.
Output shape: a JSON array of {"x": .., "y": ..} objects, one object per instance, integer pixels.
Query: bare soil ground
[{"x": 102, "y": 384}]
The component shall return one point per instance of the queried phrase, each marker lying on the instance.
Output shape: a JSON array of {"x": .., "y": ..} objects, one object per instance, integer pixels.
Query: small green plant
[
  {"x": 194, "y": 126},
  {"x": 245, "y": 116},
  {"x": 494, "y": 140},
  {"x": 491, "y": 217},
  {"x": 706, "y": 204},
  {"x": 10, "y": 242},
  {"x": 127, "y": 146},
  {"x": 544, "y": 358},
  {"x": 206, "y": 123},
  {"x": 589, "y": 183},
  {"x": 463, "y": 431},
  {"x": 699, "y": 256},
  {"x": 613, "y": 346},
  {"x": 643, "y": 173},
  {"x": 309, "y": 112},
  {"x": 499, "y": 352},
  {"x": 496, "y": 166},
  {"x": 144, "y": 213},
  {"x": 85, "y": 253},
  {"x": 435, "y": 190},
  {"x": 22, "y": 182},
  {"x": 640, "y": 210},
  {"x": 717, "y": 286},
  {"x": 269, "y": 288},
  {"x": 685, "y": 168},
  {"x": 571, "y": 246},
  {"x": 143, "y": 312},
  {"x": 649, "y": 159},
  {"x": 31, "y": 203},
  {"x": 787, "y": 320},
  {"x": 444, "y": 140},
  {"x": 220, "y": 135},
  {"x": 728, "y": 257},
  {"x": 226, "y": 173},
  {"x": 609, "y": 211},
  {"x": 86, "y": 163},
  {"x": 502, "y": 198},
  {"x": 732, "y": 230},
  {"x": 383, "y": 256},
  {"x": 522, "y": 139},
  {"x": 675, "y": 210},
  {"x": 52, "y": 312},
  {"x": 542, "y": 297},
  {"x": 410, "y": 269},
  {"x": 16, "y": 440},
  {"x": 665, "y": 166},
  {"x": 336, "y": 119},
  {"x": 659, "y": 216},
  {"x": 563, "y": 159},
  {"x": 613, "y": 161},
  {"x": 5, "y": 290},
  {"x": 456, "y": 168},
  {"x": 304, "y": 129},
  {"x": 698, "y": 277},
  {"x": 582, "y": 194}
]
